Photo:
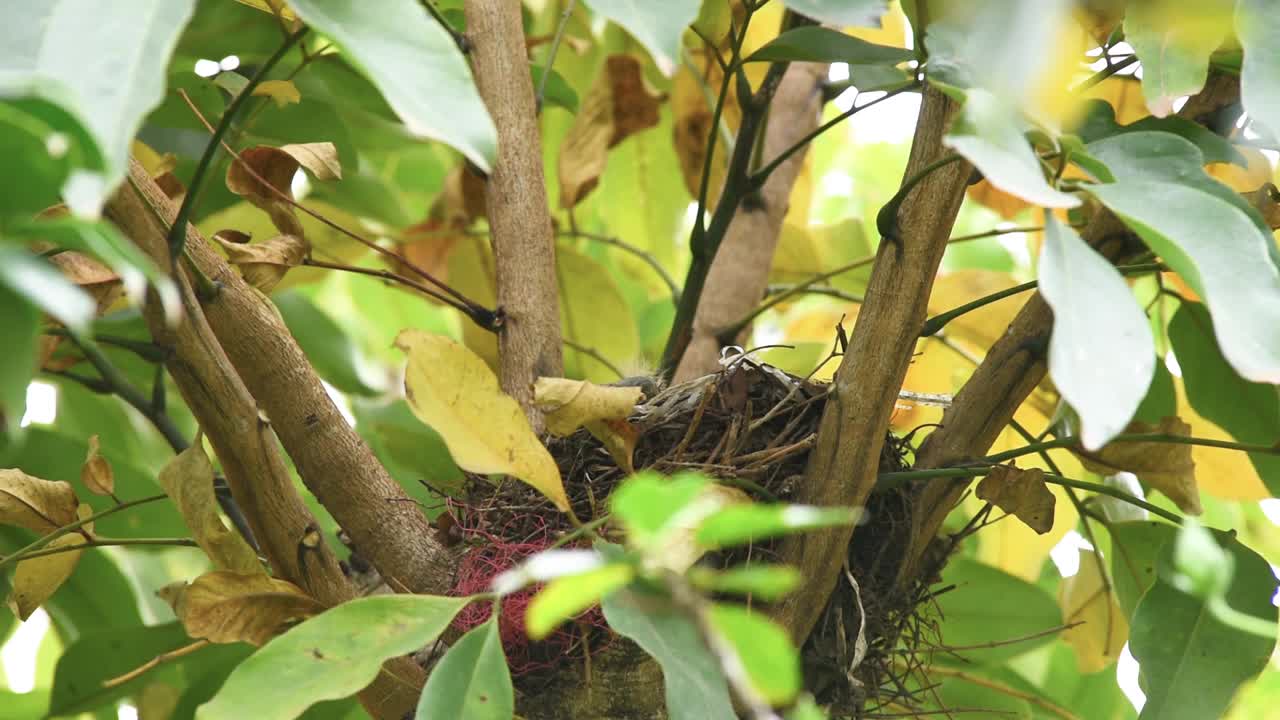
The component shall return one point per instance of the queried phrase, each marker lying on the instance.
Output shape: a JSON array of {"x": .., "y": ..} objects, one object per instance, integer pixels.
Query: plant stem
[
  {"x": 887, "y": 218},
  {"x": 481, "y": 316},
  {"x": 892, "y": 479},
  {"x": 1104, "y": 73},
  {"x": 1074, "y": 443},
  {"x": 757, "y": 180},
  {"x": 178, "y": 231},
  {"x": 551, "y": 54},
  {"x": 937, "y": 322},
  {"x": 130, "y": 394},
  {"x": 54, "y": 535},
  {"x": 458, "y": 38},
  {"x": 111, "y": 542}
]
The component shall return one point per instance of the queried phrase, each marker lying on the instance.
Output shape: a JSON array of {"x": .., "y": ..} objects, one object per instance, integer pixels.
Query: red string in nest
[{"x": 492, "y": 554}]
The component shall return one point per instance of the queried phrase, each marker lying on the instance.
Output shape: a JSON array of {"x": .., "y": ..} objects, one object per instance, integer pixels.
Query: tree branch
[
  {"x": 1015, "y": 365},
  {"x": 529, "y": 340},
  {"x": 844, "y": 463}
]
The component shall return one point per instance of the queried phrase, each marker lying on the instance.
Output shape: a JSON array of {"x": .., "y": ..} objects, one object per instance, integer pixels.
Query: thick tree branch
[
  {"x": 334, "y": 462},
  {"x": 523, "y": 248},
  {"x": 1015, "y": 365},
  {"x": 740, "y": 270},
  {"x": 844, "y": 464},
  {"x": 242, "y": 439}
]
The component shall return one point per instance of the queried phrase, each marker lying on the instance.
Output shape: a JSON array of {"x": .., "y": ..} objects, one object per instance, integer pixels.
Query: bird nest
[{"x": 750, "y": 426}]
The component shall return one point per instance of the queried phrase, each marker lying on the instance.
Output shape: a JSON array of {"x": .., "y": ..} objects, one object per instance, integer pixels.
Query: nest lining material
[{"x": 750, "y": 426}]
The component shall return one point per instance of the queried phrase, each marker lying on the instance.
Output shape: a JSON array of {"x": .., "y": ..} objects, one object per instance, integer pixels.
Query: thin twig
[
  {"x": 1003, "y": 689},
  {"x": 111, "y": 542},
  {"x": 55, "y": 534},
  {"x": 648, "y": 258},
  {"x": 551, "y": 54},
  {"x": 155, "y": 662},
  {"x": 121, "y": 386},
  {"x": 594, "y": 355},
  {"x": 178, "y": 231},
  {"x": 1073, "y": 443}
]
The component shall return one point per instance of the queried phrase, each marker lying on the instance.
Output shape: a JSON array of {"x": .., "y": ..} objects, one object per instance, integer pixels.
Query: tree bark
[
  {"x": 1015, "y": 364},
  {"x": 246, "y": 448},
  {"x": 337, "y": 466},
  {"x": 529, "y": 340},
  {"x": 845, "y": 460},
  {"x": 740, "y": 271}
]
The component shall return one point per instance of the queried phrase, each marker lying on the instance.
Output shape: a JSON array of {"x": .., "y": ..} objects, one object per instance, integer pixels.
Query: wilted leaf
[
  {"x": 692, "y": 105},
  {"x": 1086, "y": 598},
  {"x": 603, "y": 410},
  {"x": 282, "y": 92},
  {"x": 36, "y": 579},
  {"x": 1020, "y": 492},
  {"x": 264, "y": 264},
  {"x": 38, "y": 505},
  {"x": 188, "y": 480},
  {"x": 96, "y": 472},
  {"x": 101, "y": 282},
  {"x": 227, "y": 607},
  {"x": 1167, "y": 467},
  {"x": 459, "y": 203},
  {"x": 451, "y": 389},
  {"x": 618, "y": 105}
]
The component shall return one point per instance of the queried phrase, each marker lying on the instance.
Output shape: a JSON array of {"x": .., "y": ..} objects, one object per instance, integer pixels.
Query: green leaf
[
  {"x": 1101, "y": 354},
  {"x": 695, "y": 687},
  {"x": 657, "y": 24},
  {"x": 40, "y": 284},
  {"x": 766, "y": 582},
  {"x": 330, "y": 656},
  {"x": 33, "y": 704},
  {"x": 109, "y": 71},
  {"x": 806, "y": 709},
  {"x": 44, "y": 154},
  {"x": 1099, "y": 121},
  {"x": 991, "y": 605},
  {"x": 647, "y": 504},
  {"x": 21, "y": 323},
  {"x": 1202, "y": 568},
  {"x": 1135, "y": 548},
  {"x": 820, "y": 44},
  {"x": 414, "y": 454},
  {"x": 1161, "y": 400},
  {"x": 438, "y": 99},
  {"x": 558, "y": 91},
  {"x": 1174, "y": 40},
  {"x": 566, "y": 597},
  {"x": 329, "y": 349},
  {"x": 1257, "y": 27},
  {"x": 100, "y": 655},
  {"x": 869, "y": 78},
  {"x": 862, "y": 13},
  {"x": 771, "y": 662},
  {"x": 1221, "y": 254},
  {"x": 103, "y": 241},
  {"x": 987, "y": 135},
  {"x": 1193, "y": 662},
  {"x": 743, "y": 523},
  {"x": 471, "y": 681},
  {"x": 1250, "y": 411}
]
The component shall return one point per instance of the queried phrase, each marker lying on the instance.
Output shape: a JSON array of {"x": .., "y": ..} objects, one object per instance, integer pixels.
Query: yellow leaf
[
  {"x": 892, "y": 30},
  {"x": 1246, "y": 179},
  {"x": 227, "y": 607},
  {"x": 619, "y": 104},
  {"x": 603, "y": 410},
  {"x": 1020, "y": 492},
  {"x": 283, "y": 92},
  {"x": 1084, "y": 598},
  {"x": 1167, "y": 467},
  {"x": 1223, "y": 473},
  {"x": 1124, "y": 94},
  {"x": 451, "y": 389},
  {"x": 37, "y": 579},
  {"x": 273, "y": 7},
  {"x": 96, "y": 472},
  {"x": 35, "y": 504},
  {"x": 593, "y": 314},
  {"x": 188, "y": 480},
  {"x": 154, "y": 163},
  {"x": 157, "y": 701},
  {"x": 693, "y": 94},
  {"x": 798, "y": 255},
  {"x": 982, "y": 327}
]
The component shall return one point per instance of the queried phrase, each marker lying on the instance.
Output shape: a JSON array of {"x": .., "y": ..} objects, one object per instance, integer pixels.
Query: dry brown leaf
[
  {"x": 101, "y": 282},
  {"x": 282, "y": 92},
  {"x": 264, "y": 264},
  {"x": 1020, "y": 492},
  {"x": 96, "y": 473},
  {"x": 1167, "y": 467},
  {"x": 277, "y": 166},
  {"x": 692, "y": 109},
  {"x": 188, "y": 480},
  {"x": 37, "y": 579},
  {"x": 35, "y": 504},
  {"x": 460, "y": 202},
  {"x": 320, "y": 159},
  {"x": 227, "y": 607},
  {"x": 1085, "y": 598},
  {"x": 618, "y": 105},
  {"x": 603, "y": 410}
]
